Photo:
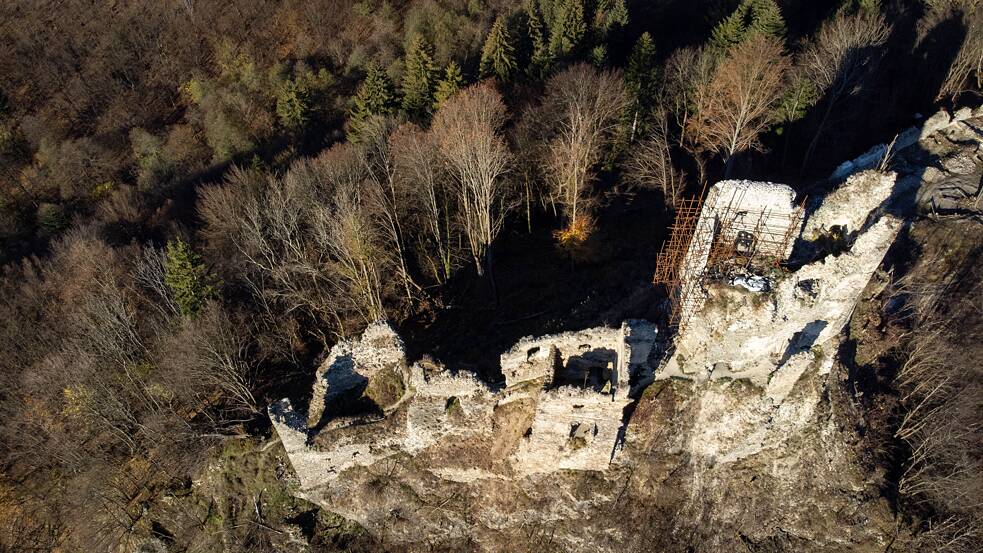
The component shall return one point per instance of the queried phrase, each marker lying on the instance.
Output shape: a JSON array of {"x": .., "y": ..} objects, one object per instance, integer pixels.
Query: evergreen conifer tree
[
  {"x": 187, "y": 278},
  {"x": 750, "y": 17},
  {"x": 450, "y": 84},
  {"x": 640, "y": 82},
  {"x": 640, "y": 74},
  {"x": 610, "y": 15},
  {"x": 540, "y": 58},
  {"x": 375, "y": 96},
  {"x": 419, "y": 76},
  {"x": 498, "y": 55},
  {"x": 569, "y": 29}
]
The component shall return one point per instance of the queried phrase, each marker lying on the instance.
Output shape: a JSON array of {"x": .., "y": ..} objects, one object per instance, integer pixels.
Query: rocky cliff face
[{"x": 738, "y": 434}]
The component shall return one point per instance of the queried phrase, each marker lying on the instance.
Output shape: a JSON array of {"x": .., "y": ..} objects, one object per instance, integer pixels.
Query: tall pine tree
[
  {"x": 449, "y": 85},
  {"x": 540, "y": 58},
  {"x": 419, "y": 79},
  {"x": 640, "y": 80},
  {"x": 569, "y": 29},
  {"x": 375, "y": 96},
  {"x": 187, "y": 278},
  {"x": 750, "y": 17},
  {"x": 498, "y": 55},
  {"x": 609, "y": 16}
]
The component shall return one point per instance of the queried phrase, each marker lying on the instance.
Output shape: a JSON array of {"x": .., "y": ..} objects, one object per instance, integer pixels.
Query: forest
[{"x": 197, "y": 198}]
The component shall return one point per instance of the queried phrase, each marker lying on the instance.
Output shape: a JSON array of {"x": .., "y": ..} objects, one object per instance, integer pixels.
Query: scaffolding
[{"x": 728, "y": 241}]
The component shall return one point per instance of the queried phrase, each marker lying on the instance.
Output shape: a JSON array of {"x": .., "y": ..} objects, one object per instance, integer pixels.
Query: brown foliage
[
  {"x": 740, "y": 99},
  {"x": 941, "y": 390}
]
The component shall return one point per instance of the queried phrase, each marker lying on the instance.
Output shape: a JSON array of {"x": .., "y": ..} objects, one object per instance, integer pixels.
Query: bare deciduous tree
[
  {"x": 420, "y": 166},
  {"x": 346, "y": 232},
  {"x": 212, "y": 354},
  {"x": 149, "y": 275},
  {"x": 466, "y": 128},
  {"x": 847, "y": 49},
  {"x": 650, "y": 163},
  {"x": 740, "y": 99},
  {"x": 941, "y": 391},
  {"x": 386, "y": 193},
  {"x": 966, "y": 71},
  {"x": 261, "y": 227},
  {"x": 688, "y": 73},
  {"x": 581, "y": 106}
]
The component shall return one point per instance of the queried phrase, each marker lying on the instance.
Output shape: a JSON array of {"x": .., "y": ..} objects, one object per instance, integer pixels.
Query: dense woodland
[{"x": 198, "y": 197}]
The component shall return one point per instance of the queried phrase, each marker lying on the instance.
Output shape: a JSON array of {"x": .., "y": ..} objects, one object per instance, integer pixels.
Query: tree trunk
[
  {"x": 815, "y": 139},
  {"x": 491, "y": 275},
  {"x": 729, "y": 166}
]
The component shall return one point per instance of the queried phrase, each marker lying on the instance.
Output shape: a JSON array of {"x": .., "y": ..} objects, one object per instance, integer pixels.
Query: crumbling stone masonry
[
  {"x": 562, "y": 408},
  {"x": 740, "y": 221},
  {"x": 733, "y": 336},
  {"x": 770, "y": 337},
  {"x": 418, "y": 454}
]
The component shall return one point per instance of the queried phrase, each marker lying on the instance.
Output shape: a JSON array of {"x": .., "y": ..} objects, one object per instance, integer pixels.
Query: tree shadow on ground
[{"x": 542, "y": 289}]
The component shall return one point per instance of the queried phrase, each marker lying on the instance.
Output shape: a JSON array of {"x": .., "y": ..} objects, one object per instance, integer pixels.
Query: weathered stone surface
[
  {"x": 733, "y": 207},
  {"x": 352, "y": 363},
  {"x": 738, "y": 335},
  {"x": 850, "y": 205},
  {"x": 562, "y": 409},
  {"x": 935, "y": 123},
  {"x": 531, "y": 359},
  {"x": 573, "y": 429}
]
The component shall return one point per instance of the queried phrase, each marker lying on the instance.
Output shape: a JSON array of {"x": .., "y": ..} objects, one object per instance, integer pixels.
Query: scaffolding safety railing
[{"x": 734, "y": 239}]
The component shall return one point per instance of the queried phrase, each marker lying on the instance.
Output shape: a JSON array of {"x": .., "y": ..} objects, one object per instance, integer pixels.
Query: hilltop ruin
[{"x": 761, "y": 286}]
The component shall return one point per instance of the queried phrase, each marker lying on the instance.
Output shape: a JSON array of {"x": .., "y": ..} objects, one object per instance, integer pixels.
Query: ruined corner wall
[
  {"x": 740, "y": 334},
  {"x": 351, "y": 363},
  {"x": 573, "y": 429},
  {"x": 764, "y": 210}
]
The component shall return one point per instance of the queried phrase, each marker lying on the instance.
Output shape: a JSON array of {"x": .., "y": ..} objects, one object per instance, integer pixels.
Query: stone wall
[
  {"x": 562, "y": 408},
  {"x": 573, "y": 429},
  {"x": 352, "y": 363},
  {"x": 541, "y": 357},
  {"x": 766, "y": 336},
  {"x": 742, "y": 334},
  {"x": 736, "y": 210}
]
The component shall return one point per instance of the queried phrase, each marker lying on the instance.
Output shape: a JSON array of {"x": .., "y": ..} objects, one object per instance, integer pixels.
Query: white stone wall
[
  {"x": 735, "y": 205},
  {"x": 442, "y": 408},
  {"x": 316, "y": 468},
  {"x": 741, "y": 334},
  {"x": 428, "y": 419},
  {"x": 351, "y": 363},
  {"x": 562, "y": 414},
  {"x": 529, "y": 358}
]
